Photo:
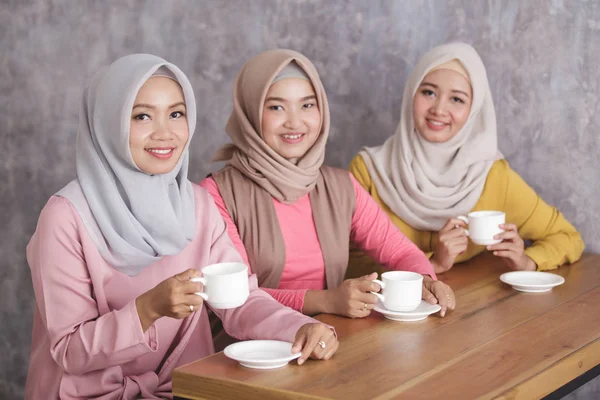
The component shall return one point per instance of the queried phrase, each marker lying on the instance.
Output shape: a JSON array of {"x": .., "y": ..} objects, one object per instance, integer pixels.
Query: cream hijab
[
  {"x": 286, "y": 180},
  {"x": 426, "y": 183},
  {"x": 133, "y": 218}
]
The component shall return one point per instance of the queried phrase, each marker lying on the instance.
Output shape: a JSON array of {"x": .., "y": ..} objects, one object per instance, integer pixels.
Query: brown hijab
[
  {"x": 256, "y": 173},
  {"x": 283, "y": 179}
]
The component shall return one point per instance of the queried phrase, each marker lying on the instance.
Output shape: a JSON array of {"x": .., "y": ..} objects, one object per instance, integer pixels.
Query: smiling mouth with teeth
[
  {"x": 160, "y": 151},
  {"x": 298, "y": 136}
]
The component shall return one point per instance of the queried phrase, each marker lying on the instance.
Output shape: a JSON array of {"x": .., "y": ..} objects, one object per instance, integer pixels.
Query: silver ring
[
  {"x": 448, "y": 296},
  {"x": 322, "y": 344},
  {"x": 366, "y": 307},
  {"x": 191, "y": 308}
]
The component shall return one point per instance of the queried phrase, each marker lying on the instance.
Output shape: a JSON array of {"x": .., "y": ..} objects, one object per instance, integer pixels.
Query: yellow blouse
[{"x": 554, "y": 240}]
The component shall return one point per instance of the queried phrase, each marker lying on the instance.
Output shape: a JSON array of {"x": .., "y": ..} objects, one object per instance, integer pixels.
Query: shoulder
[
  {"x": 58, "y": 220},
  {"x": 58, "y": 211},
  {"x": 358, "y": 169},
  {"x": 202, "y": 192},
  {"x": 499, "y": 173},
  {"x": 358, "y": 163}
]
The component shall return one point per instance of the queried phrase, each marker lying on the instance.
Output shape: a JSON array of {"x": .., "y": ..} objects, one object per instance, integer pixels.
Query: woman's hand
[
  {"x": 452, "y": 241},
  {"x": 174, "y": 297},
  {"x": 437, "y": 292},
  {"x": 315, "y": 341},
  {"x": 353, "y": 298},
  {"x": 512, "y": 249}
]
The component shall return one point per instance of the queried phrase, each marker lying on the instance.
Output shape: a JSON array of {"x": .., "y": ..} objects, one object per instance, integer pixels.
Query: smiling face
[
  {"x": 441, "y": 105},
  {"x": 159, "y": 128},
  {"x": 291, "y": 119}
]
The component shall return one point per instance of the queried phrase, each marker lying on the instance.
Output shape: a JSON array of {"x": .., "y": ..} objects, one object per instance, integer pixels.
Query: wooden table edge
[
  {"x": 253, "y": 391},
  {"x": 558, "y": 374}
]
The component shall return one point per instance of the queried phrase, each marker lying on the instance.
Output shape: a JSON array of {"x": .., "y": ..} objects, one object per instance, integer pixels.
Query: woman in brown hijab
[{"x": 291, "y": 217}]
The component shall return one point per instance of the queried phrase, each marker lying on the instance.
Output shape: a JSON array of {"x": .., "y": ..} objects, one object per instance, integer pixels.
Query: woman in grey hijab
[{"x": 115, "y": 250}]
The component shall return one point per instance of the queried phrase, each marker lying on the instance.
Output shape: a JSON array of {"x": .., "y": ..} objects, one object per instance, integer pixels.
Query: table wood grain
[{"x": 498, "y": 343}]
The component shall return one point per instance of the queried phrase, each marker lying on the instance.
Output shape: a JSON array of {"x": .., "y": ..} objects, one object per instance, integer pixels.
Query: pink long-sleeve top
[
  {"x": 304, "y": 267},
  {"x": 87, "y": 337}
]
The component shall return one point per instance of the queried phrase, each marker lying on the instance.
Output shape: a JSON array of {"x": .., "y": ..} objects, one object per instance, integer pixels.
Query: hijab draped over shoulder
[
  {"x": 426, "y": 183},
  {"x": 133, "y": 217},
  {"x": 256, "y": 174}
]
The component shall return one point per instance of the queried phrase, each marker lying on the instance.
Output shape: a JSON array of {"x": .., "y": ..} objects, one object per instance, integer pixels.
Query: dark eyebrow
[
  {"x": 150, "y": 106},
  {"x": 312, "y": 96},
  {"x": 437, "y": 87},
  {"x": 460, "y": 91}
]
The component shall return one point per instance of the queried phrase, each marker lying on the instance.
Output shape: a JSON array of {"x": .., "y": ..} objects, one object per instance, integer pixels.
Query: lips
[
  {"x": 162, "y": 153},
  {"x": 436, "y": 125},
  {"x": 292, "y": 138}
]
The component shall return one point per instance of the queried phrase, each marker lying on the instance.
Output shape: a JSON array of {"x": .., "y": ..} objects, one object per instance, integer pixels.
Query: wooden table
[{"x": 498, "y": 343}]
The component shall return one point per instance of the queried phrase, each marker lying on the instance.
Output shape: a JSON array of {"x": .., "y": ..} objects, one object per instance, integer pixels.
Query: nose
[
  {"x": 438, "y": 107},
  {"x": 161, "y": 129},
  {"x": 293, "y": 120}
]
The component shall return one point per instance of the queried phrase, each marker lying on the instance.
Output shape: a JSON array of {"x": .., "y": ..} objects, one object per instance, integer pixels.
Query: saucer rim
[
  {"x": 229, "y": 349},
  {"x": 505, "y": 277},
  {"x": 380, "y": 308}
]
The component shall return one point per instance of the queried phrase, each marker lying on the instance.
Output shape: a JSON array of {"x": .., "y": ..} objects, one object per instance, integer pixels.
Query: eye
[
  {"x": 275, "y": 108},
  {"x": 308, "y": 105},
  {"x": 457, "y": 100},
  {"x": 142, "y": 117},
  {"x": 427, "y": 92},
  {"x": 177, "y": 114}
]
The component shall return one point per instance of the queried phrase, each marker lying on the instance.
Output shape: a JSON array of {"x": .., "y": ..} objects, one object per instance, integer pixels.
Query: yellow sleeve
[
  {"x": 555, "y": 240},
  {"x": 359, "y": 263},
  {"x": 359, "y": 170}
]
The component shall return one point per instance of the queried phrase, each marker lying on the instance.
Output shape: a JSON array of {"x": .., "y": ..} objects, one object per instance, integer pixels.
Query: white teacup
[
  {"x": 483, "y": 226},
  {"x": 225, "y": 284},
  {"x": 401, "y": 290}
]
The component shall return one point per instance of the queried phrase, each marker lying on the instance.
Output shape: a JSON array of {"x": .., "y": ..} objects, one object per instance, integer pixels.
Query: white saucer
[
  {"x": 532, "y": 281},
  {"x": 419, "y": 313},
  {"x": 261, "y": 354}
]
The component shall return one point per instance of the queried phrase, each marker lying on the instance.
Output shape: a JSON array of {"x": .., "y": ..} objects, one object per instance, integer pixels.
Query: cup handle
[
  {"x": 203, "y": 281},
  {"x": 379, "y": 295},
  {"x": 466, "y": 221}
]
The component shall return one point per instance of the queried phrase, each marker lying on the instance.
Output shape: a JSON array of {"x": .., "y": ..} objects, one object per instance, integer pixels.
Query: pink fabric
[
  {"x": 304, "y": 269},
  {"x": 87, "y": 337}
]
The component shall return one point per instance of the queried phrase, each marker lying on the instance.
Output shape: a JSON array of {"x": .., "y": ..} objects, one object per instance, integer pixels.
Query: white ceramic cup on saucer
[
  {"x": 225, "y": 284},
  {"x": 400, "y": 290},
  {"x": 483, "y": 226}
]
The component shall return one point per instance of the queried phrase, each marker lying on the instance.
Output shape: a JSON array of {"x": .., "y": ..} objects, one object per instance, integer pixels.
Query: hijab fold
[
  {"x": 427, "y": 183},
  {"x": 286, "y": 180},
  {"x": 133, "y": 217}
]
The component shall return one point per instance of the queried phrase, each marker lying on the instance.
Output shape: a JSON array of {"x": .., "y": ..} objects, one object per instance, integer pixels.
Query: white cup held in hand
[
  {"x": 400, "y": 290},
  {"x": 225, "y": 284},
  {"x": 483, "y": 226}
]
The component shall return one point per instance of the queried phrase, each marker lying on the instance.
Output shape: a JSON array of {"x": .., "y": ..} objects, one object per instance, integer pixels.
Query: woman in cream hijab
[
  {"x": 443, "y": 162},
  {"x": 292, "y": 217},
  {"x": 115, "y": 250}
]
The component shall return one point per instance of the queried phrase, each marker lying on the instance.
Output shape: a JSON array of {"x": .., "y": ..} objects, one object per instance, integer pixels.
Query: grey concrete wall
[{"x": 542, "y": 59}]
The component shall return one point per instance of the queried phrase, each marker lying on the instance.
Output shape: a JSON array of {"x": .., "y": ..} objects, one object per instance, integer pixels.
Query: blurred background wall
[{"x": 542, "y": 60}]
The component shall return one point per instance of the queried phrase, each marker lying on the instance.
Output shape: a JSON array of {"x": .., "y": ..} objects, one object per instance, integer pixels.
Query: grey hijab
[{"x": 134, "y": 218}]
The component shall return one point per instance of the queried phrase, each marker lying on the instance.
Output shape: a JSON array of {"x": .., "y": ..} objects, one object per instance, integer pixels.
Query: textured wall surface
[{"x": 542, "y": 59}]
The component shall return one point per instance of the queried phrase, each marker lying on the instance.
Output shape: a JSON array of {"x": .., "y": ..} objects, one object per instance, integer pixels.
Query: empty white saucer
[
  {"x": 532, "y": 281},
  {"x": 419, "y": 313},
  {"x": 261, "y": 354}
]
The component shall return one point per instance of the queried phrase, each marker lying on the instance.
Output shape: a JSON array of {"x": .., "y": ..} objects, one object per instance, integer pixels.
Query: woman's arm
[
  {"x": 376, "y": 234},
  {"x": 555, "y": 240},
  {"x": 260, "y": 317},
  {"x": 81, "y": 340},
  {"x": 294, "y": 299}
]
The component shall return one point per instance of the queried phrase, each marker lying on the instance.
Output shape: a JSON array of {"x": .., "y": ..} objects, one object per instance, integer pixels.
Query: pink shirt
[
  {"x": 304, "y": 268},
  {"x": 87, "y": 338}
]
